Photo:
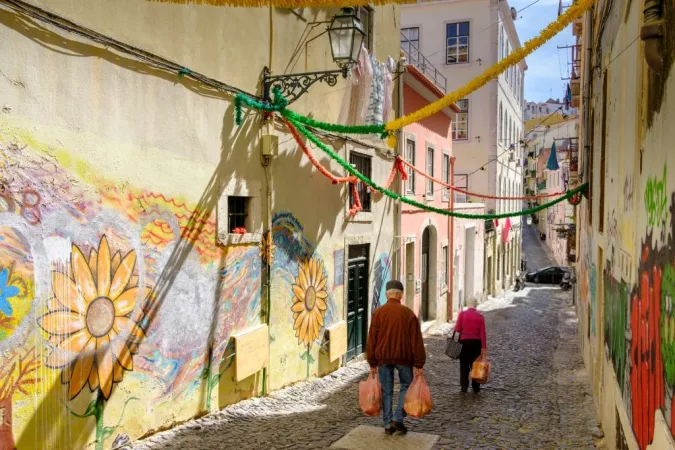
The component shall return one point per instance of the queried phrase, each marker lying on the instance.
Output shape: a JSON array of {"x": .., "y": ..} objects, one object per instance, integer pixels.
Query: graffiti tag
[
  {"x": 656, "y": 200},
  {"x": 628, "y": 193}
]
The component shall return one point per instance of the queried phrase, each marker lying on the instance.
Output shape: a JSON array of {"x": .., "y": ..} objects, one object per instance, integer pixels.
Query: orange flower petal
[
  {"x": 302, "y": 278},
  {"x": 67, "y": 294},
  {"x": 104, "y": 360},
  {"x": 298, "y": 306},
  {"x": 53, "y": 304},
  {"x": 123, "y": 275},
  {"x": 299, "y": 320},
  {"x": 304, "y": 327},
  {"x": 118, "y": 372},
  {"x": 319, "y": 319},
  {"x": 122, "y": 353},
  {"x": 103, "y": 269},
  {"x": 83, "y": 276},
  {"x": 93, "y": 377},
  {"x": 68, "y": 349},
  {"x": 129, "y": 329},
  {"x": 93, "y": 257},
  {"x": 321, "y": 304},
  {"x": 62, "y": 322},
  {"x": 133, "y": 281},
  {"x": 299, "y": 292},
  {"x": 126, "y": 302},
  {"x": 322, "y": 294},
  {"x": 321, "y": 285},
  {"x": 82, "y": 369},
  {"x": 115, "y": 263}
]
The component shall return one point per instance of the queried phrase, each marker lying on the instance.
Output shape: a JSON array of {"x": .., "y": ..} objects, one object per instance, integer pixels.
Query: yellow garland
[
  {"x": 289, "y": 3},
  {"x": 518, "y": 55}
]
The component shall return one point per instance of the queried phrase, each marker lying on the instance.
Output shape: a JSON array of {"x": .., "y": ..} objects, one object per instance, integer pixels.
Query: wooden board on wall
[
  {"x": 337, "y": 340},
  {"x": 252, "y": 351}
]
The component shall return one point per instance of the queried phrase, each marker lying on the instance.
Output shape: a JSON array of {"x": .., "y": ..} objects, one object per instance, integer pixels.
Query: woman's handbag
[
  {"x": 480, "y": 370},
  {"x": 453, "y": 348}
]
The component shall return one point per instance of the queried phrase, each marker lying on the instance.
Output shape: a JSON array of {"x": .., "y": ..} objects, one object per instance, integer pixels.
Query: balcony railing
[
  {"x": 574, "y": 155},
  {"x": 417, "y": 59}
]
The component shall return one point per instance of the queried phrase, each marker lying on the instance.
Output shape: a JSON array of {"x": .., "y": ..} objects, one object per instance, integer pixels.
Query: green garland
[
  {"x": 279, "y": 105},
  {"x": 334, "y": 127},
  {"x": 345, "y": 165}
]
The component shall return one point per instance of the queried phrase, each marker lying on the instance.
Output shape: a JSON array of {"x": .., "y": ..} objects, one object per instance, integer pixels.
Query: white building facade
[
  {"x": 536, "y": 110},
  {"x": 462, "y": 38}
]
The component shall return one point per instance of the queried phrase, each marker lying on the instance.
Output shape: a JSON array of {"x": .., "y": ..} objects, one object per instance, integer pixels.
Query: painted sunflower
[
  {"x": 309, "y": 301},
  {"x": 89, "y": 319},
  {"x": 267, "y": 248}
]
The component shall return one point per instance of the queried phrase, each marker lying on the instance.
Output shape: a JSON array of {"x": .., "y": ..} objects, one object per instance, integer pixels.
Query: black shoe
[
  {"x": 399, "y": 427},
  {"x": 389, "y": 431},
  {"x": 465, "y": 390},
  {"x": 476, "y": 390}
]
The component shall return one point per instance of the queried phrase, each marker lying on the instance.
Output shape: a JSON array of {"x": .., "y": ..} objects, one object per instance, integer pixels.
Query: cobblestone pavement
[{"x": 537, "y": 396}]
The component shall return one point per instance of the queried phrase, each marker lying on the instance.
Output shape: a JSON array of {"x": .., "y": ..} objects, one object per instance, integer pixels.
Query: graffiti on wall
[
  {"x": 381, "y": 275},
  {"x": 79, "y": 258},
  {"x": 616, "y": 300},
  {"x": 592, "y": 287},
  {"x": 656, "y": 199}
]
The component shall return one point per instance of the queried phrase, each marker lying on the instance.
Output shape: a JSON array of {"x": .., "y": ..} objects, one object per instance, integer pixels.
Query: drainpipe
[
  {"x": 266, "y": 161},
  {"x": 652, "y": 34},
  {"x": 402, "y": 63},
  {"x": 451, "y": 242}
]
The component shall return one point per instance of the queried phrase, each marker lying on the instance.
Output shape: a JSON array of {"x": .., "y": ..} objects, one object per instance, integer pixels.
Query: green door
[{"x": 357, "y": 306}]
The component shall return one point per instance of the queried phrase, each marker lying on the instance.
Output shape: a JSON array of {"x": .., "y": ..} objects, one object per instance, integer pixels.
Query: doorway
[
  {"x": 410, "y": 275},
  {"x": 428, "y": 275},
  {"x": 357, "y": 300}
]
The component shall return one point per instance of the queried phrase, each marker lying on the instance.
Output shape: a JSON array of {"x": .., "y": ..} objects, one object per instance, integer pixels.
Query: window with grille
[
  {"x": 237, "y": 212},
  {"x": 363, "y": 164},
  {"x": 457, "y": 43},
  {"x": 446, "y": 175},
  {"x": 410, "y": 42},
  {"x": 461, "y": 182},
  {"x": 460, "y": 126},
  {"x": 430, "y": 170},
  {"x": 410, "y": 157}
]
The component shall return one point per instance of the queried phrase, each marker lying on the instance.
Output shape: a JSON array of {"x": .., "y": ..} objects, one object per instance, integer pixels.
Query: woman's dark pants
[{"x": 471, "y": 349}]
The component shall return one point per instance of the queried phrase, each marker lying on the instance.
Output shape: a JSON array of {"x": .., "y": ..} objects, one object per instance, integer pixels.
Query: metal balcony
[{"x": 417, "y": 59}]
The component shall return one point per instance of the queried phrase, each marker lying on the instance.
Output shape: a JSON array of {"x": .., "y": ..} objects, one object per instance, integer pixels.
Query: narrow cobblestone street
[{"x": 537, "y": 398}]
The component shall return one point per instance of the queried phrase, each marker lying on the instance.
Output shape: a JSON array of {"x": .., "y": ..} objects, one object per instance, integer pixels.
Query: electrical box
[{"x": 270, "y": 145}]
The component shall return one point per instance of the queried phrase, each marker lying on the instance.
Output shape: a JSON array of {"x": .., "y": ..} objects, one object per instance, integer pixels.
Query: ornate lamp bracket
[{"x": 293, "y": 86}]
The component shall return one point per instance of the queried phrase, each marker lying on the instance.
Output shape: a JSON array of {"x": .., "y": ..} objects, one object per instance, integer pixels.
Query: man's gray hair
[{"x": 394, "y": 293}]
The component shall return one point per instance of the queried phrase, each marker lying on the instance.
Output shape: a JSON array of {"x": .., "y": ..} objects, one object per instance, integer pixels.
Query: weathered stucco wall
[
  {"x": 117, "y": 302},
  {"x": 626, "y": 272}
]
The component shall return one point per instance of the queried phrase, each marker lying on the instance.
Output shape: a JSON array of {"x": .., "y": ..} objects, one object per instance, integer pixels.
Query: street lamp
[{"x": 346, "y": 36}]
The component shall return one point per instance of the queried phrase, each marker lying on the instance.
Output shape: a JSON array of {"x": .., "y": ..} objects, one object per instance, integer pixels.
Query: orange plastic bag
[
  {"x": 418, "y": 398},
  {"x": 370, "y": 395},
  {"x": 480, "y": 370}
]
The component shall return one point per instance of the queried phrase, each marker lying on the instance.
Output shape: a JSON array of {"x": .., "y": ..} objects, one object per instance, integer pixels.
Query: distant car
[{"x": 547, "y": 275}]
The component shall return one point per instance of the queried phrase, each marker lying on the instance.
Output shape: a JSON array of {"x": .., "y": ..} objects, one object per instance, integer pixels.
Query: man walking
[{"x": 395, "y": 342}]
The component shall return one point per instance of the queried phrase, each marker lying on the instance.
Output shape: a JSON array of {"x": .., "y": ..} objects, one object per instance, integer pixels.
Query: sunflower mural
[
  {"x": 309, "y": 304},
  {"x": 92, "y": 325}
]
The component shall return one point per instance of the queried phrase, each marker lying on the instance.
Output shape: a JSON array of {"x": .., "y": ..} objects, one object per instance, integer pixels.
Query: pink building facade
[{"x": 433, "y": 273}]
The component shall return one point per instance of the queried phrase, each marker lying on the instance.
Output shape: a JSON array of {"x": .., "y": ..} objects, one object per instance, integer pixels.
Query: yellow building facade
[{"x": 128, "y": 303}]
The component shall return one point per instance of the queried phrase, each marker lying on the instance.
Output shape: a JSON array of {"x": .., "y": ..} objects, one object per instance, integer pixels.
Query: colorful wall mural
[
  {"x": 103, "y": 286},
  {"x": 381, "y": 275},
  {"x": 640, "y": 328}
]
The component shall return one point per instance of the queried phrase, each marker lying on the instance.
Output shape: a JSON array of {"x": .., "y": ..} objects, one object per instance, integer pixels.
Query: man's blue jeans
[{"x": 405, "y": 376}]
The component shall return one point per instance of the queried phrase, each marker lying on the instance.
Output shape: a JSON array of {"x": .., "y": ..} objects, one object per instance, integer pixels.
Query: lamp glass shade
[{"x": 346, "y": 36}]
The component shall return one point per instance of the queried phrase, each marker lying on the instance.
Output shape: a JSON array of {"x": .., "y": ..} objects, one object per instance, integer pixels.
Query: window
[
  {"x": 410, "y": 42},
  {"x": 363, "y": 164},
  {"x": 365, "y": 15},
  {"x": 430, "y": 170},
  {"x": 410, "y": 157},
  {"x": 457, "y": 44},
  {"x": 446, "y": 175},
  {"x": 237, "y": 212},
  {"x": 444, "y": 266},
  {"x": 500, "y": 132},
  {"x": 460, "y": 126},
  {"x": 461, "y": 182}
]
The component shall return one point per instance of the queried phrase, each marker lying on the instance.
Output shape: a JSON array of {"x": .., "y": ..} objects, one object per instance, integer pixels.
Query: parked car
[{"x": 547, "y": 275}]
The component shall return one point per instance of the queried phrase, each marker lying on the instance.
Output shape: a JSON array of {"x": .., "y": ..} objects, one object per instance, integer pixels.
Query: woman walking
[{"x": 471, "y": 328}]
